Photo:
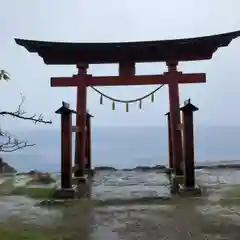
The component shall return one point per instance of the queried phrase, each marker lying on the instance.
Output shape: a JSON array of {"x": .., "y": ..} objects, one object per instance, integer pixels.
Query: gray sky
[{"x": 125, "y": 20}]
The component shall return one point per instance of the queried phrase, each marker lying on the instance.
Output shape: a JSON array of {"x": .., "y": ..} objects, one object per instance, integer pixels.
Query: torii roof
[{"x": 189, "y": 49}]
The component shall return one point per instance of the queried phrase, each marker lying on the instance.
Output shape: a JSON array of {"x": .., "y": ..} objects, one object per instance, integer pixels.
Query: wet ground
[{"x": 127, "y": 216}]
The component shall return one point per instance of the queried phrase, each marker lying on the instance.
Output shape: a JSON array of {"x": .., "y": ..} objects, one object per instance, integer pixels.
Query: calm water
[{"x": 125, "y": 147}]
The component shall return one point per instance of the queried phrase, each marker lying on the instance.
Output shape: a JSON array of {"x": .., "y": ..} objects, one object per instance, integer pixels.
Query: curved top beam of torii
[{"x": 189, "y": 49}]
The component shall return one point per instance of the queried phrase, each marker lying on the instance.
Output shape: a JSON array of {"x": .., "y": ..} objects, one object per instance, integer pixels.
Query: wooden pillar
[
  {"x": 188, "y": 144},
  {"x": 88, "y": 143},
  {"x": 66, "y": 145},
  {"x": 81, "y": 123},
  {"x": 175, "y": 116},
  {"x": 170, "y": 151}
]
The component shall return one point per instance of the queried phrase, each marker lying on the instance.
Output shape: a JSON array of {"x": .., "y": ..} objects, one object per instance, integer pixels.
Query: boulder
[
  {"x": 40, "y": 178},
  {"x": 218, "y": 166},
  {"x": 105, "y": 168},
  {"x": 6, "y": 168},
  {"x": 147, "y": 168}
]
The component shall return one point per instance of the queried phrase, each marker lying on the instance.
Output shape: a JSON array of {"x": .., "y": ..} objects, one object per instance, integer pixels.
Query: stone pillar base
[
  {"x": 79, "y": 180},
  {"x": 83, "y": 188},
  {"x": 64, "y": 193},
  {"x": 176, "y": 180},
  {"x": 90, "y": 172},
  {"x": 189, "y": 191},
  {"x": 179, "y": 179}
]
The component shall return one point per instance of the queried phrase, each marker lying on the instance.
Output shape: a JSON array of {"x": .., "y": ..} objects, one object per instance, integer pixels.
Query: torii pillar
[
  {"x": 188, "y": 144},
  {"x": 66, "y": 190},
  {"x": 175, "y": 118},
  {"x": 88, "y": 164},
  {"x": 170, "y": 151},
  {"x": 80, "y": 141}
]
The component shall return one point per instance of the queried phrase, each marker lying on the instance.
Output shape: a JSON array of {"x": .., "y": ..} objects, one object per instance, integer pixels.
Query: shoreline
[{"x": 212, "y": 166}]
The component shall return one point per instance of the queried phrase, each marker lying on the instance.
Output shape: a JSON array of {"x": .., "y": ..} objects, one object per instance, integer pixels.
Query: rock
[
  {"x": 218, "y": 166},
  {"x": 142, "y": 168},
  {"x": 33, "y": 172},
  {"x": 64, "y": 194},
  {"x": 105, "y": 168},
  {"x": 20, "y": 174},
  {"x": 147, "y": 168},
  {"x": 159, "y": 167},
  {"x": 6, "y": 168},
  {"x": 40, "y": 178}
]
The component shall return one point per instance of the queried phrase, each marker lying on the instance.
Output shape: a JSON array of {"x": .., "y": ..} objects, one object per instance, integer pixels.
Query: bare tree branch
[
  {"x": 9, "y": 143},
  {"x": 20, "y": 113},
  {"x": 4, "y": 75}
]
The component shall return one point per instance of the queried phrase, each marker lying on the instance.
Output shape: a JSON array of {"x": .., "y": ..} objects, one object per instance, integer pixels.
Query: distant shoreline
[{"x": 163, "y": 167}]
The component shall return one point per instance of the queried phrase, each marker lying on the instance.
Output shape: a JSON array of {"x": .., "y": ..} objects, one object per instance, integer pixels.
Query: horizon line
[{"x": 122, "y": 126}]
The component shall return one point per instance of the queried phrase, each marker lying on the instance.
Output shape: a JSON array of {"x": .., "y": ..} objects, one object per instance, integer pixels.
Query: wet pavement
[
  {"x": 192, "y": 218},
  {"x": 129, "y": 184}
]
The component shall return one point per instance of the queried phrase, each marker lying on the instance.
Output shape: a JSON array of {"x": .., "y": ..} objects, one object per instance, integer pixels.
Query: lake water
[{"x": 126, "y": 147}]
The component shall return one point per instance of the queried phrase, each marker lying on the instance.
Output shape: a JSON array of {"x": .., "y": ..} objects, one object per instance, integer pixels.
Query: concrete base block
[
  {"x": 175, "y": 181},
  {"x": 79, "y": 173},
  {"x": 64, "y": 193},
  {"x": 79, "y": 180},
  {"x": 90, "y": 172},
  {"x": 179, "y": 179},
  {"x": 187, "y": 191},
  {"x": 83, "y": 189}
]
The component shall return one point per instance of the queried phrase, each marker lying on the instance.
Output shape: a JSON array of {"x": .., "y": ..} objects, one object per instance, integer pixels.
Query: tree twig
[
  {"x": 21, "y": 114},
  {"x": 10, "y": 143}
]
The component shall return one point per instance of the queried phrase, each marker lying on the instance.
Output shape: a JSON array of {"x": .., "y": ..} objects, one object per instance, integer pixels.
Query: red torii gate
[
  {"x": 172, "y": 78},
  {"x": 126, "y": 55}
]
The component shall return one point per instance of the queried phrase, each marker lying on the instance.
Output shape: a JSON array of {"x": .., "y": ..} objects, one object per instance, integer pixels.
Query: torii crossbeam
[{"x": 90, "y": 80}]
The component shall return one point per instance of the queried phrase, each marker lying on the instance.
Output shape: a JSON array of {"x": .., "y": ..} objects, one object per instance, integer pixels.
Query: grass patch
[
  {"x": 228, "y": 202},
  {"x": 23, "y": 231},
  {"x": 234, "y": 192},
  {"x": 12, "y": 234},
  {"x": 86, "y": 203},
  {"x": 6, "y": 187},
  {"x": 109, "y": 202},
  {"x": 39, "y": 193},
  {"x": 231, "y": 197},
  {"x": 134, "y": 201}
]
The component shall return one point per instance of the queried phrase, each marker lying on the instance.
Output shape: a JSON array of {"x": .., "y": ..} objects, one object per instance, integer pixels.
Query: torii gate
[{"x": 126, "y": 55}]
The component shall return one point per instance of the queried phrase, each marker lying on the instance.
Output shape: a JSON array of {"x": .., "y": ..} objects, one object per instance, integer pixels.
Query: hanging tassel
[
  {"x": 113, "y": 105},
  {"x": 152, "y": 97},
  {"x": 101, "y": 99},
  {"x": 127, "y": 108},
  {"x": 140, "y": 104}
]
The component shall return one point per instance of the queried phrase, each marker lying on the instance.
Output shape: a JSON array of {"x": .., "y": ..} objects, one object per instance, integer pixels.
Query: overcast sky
[{"x": 119, "y": 20}]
